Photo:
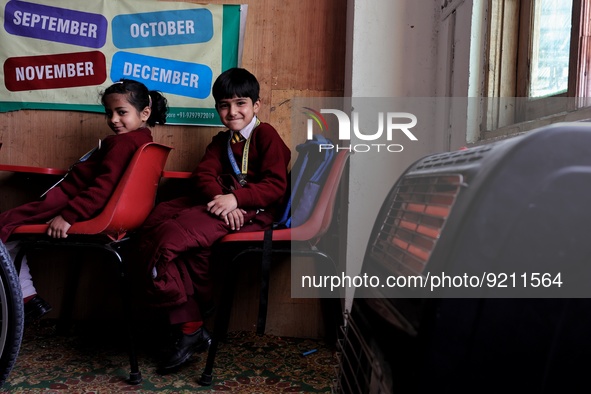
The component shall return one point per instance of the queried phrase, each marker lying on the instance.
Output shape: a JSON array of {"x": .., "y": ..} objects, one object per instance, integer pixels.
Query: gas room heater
[{"x": 508, "y": 225}]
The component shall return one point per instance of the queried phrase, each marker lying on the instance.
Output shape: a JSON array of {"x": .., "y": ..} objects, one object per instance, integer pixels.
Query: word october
[{"x": 163, "y": 28}]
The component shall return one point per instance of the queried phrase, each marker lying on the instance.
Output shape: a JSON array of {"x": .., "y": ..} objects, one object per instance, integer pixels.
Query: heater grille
[
  {"x": 459, "y": 157},
  {"x": 418, "y": 211},
  {"x": 360, "y": 369}
]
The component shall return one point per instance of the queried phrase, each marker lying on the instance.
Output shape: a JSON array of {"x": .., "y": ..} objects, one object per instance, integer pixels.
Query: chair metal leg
[
  {"x": 264, "y": 284},
  {"x": 207, "y": 375},
  {"x": 222, "y": 321},
  {"x": 135, "y": 375},
  {"x": 265, "y": 273},
  {"x": 223, "y": 315}
]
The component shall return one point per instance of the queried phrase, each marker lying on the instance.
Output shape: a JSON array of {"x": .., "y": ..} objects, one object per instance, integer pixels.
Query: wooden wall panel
[
  {"x": 295, "y": 48},
  {"x": 48, "y": 138},
  {"x": 310, "y": 51}
]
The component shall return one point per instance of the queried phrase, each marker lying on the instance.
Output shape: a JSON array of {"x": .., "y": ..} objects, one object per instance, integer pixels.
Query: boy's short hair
[{"x": 236, "y": 82}]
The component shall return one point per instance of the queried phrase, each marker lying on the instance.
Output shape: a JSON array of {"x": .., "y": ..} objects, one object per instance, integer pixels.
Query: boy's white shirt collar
[{"x": 248, "y": 129}]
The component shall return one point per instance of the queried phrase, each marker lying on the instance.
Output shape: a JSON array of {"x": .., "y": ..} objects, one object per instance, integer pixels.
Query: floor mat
[{"x": 91, "y": 361}]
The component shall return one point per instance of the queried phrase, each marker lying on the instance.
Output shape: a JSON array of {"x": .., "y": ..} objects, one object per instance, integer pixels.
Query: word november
[{"x": 54, "y": 71}]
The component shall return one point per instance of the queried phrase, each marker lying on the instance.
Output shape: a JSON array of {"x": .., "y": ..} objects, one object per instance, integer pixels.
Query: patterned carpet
[{"x": 89, "y": 360}]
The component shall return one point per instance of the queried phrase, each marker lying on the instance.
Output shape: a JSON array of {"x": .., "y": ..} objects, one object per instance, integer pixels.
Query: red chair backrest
[
  {"x": 319, "y": 221},
  {"x": 131, "y": 201}
]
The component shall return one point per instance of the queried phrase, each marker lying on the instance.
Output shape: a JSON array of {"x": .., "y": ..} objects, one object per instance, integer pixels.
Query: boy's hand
[
  {"x": 58, "y": 227},
  {"x": 222, "y": 205},
  {"x": 235, "y": 219}
]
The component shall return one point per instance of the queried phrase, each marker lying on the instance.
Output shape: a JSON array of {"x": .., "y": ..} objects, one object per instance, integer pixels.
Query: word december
[{"x": 158, "y": 74}]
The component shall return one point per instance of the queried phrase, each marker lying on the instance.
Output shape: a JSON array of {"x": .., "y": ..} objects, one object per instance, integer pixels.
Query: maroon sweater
[
  {"x": 90, "y": 183},
  {"x": 268, "y": 158}
]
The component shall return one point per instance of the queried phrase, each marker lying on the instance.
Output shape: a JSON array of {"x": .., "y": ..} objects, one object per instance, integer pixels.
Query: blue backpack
[{"x": 308, "y": 175}]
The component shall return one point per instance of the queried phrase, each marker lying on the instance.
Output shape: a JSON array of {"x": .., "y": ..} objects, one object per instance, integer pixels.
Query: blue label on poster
[
  {"x": 168, "y": 76},
  {"x": 163, "y": 28},
  {"x": 55, "y": 24}
]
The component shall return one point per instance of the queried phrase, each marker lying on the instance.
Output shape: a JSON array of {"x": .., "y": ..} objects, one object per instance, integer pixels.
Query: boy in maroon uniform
[{"x": 238, "y": 186}]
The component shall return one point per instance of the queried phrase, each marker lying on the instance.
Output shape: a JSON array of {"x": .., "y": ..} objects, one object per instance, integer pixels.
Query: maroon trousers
[{"x": 175, "y": 246}]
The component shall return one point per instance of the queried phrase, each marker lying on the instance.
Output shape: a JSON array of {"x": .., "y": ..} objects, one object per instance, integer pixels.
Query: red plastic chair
[
  {"x": 128, "y": 207},
  {"x": 301, "y": 240}
]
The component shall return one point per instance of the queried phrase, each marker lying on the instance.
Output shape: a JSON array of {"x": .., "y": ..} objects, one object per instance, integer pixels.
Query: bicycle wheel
[{"x": 11, "y": 314}]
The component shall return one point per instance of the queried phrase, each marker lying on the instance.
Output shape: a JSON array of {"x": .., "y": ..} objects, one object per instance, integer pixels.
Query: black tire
[{"x": 11, "y": 314}]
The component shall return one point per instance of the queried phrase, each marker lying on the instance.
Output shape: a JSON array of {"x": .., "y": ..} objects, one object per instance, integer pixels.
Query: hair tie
[{"x": 150, "y": 101}]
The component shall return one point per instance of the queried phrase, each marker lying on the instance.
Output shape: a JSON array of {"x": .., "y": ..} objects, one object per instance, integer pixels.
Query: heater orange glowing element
[{"x": 416, "y": 218}]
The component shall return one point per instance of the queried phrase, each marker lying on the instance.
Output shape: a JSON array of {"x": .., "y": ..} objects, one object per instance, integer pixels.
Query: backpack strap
[
  {"x": 264, "y": 290},
  {"x": 80, "y": 160}
]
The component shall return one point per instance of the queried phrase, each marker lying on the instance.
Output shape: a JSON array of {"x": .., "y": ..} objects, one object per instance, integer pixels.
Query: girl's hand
[{"x": 58, "y": 227}]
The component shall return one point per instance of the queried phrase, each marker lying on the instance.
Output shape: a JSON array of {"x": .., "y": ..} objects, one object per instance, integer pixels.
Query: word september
[{"x": 52, "y": 23}]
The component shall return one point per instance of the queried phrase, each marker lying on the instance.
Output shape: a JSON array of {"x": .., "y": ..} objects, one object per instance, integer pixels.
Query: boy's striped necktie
[{"x": 237, "y": 137}]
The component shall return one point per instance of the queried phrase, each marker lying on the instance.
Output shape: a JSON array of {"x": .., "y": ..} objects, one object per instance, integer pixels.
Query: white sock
[{"x": 25, "y": 278}]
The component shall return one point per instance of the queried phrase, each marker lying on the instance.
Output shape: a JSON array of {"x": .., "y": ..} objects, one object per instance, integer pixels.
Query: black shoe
[
  {"x": 35, "y": 309},
  {"x": 185, "y": 347}
]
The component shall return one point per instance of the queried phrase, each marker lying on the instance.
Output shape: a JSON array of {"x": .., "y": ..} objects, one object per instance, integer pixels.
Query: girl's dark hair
[
  {"x": 140, "y": 97},
  {"x": 235, "y": 82}
]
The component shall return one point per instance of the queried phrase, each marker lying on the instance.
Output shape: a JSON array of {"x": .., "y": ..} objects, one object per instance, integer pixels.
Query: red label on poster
[{"x": 55, "y": 71}]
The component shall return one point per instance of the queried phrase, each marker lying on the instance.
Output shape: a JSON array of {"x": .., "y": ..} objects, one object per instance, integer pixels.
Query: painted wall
[{"x": 404, "y": 48}]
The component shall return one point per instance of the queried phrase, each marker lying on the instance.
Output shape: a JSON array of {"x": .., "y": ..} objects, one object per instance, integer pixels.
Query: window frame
[{"x": 509, "y": 43}]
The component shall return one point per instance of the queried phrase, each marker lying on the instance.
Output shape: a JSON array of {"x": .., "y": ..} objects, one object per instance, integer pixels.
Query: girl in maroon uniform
[{"x": 130, "y": 108}]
